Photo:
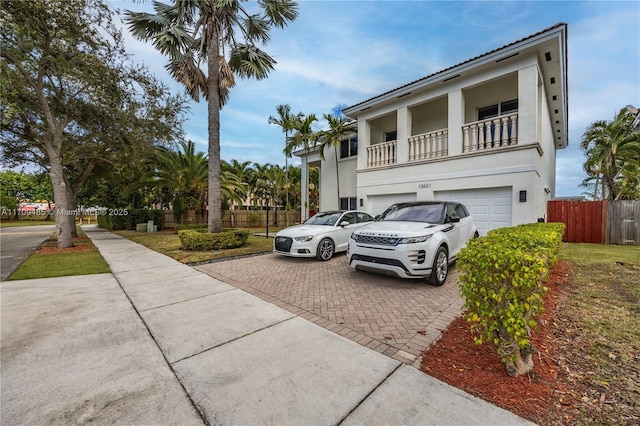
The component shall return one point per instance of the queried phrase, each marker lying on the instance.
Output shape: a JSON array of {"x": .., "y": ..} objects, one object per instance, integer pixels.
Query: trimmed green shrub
[
  {"x": 203, "y": 241},
  {"x": 502, "y": 280}
]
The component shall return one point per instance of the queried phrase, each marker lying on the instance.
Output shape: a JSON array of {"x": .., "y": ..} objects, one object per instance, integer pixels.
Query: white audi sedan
[
  {"x": 321, "y": 236},
  {"x": 413, "y": 240}
]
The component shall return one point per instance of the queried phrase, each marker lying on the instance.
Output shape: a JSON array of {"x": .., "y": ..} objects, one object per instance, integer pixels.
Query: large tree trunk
[
  {"x": 213, "y": 104},
  {"x": 63, "y": 228}
]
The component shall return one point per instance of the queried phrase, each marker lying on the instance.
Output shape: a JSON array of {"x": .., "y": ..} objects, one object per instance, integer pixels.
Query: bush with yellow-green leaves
[{"x": 502, "y": 280}]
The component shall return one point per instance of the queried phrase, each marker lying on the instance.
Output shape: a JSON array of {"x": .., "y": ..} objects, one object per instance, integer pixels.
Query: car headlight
[
  {"x": 414, "y": 240},
  {"x": 304, "y": 238}
]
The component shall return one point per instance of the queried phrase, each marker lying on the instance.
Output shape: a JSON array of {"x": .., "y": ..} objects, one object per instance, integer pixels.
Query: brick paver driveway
[{"x": 399, "y": 318}]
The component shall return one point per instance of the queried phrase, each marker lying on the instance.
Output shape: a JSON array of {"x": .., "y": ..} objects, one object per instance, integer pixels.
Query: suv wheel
[
  {"x": 325, "y": 249},
  {"x": 440, "y": 268}
]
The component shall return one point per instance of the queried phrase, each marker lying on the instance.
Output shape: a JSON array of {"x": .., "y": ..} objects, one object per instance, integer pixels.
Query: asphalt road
[{"x": 17, "y": 243}]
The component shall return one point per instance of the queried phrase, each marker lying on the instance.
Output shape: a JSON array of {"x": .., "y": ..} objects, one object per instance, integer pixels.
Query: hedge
[
  {"x": 502, "y": 280},
  {"x": 119, "y": 219},
  {"x": 203, "y": 241}
]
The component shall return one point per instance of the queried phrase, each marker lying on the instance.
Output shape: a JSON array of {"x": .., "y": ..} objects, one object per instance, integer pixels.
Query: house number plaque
[{"x": 424, "y": 185}]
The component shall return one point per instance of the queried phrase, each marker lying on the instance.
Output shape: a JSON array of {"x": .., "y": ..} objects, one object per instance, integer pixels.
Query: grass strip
[{"x": 49, "y": 262}]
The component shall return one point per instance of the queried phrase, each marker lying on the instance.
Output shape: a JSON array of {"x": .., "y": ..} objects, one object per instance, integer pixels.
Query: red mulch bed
[
  {"x": 80, "y": 244},
  {"x": 545, "y": 396}
]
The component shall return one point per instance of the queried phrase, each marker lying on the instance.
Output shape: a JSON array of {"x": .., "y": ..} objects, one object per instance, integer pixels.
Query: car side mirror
[
  {"x": 453, "y": 219},
  {"x": 344, "y": 223}
]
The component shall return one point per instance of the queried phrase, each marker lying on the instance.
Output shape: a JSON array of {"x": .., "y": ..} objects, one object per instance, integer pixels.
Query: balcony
[
  {"x": 382, "y": 154},
  {"x": 429, "y": 145},
  {"x": 483, "y": 135},
  {"x": 491, "y": 133}
]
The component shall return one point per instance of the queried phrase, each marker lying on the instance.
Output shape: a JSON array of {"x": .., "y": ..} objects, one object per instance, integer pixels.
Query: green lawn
[
  {"x": 48, "y": 262},
  {"x": 168, "y": 243}
]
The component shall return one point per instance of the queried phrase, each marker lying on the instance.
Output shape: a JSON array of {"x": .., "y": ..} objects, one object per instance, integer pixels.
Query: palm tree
[
  {"x": 195, "y": 32},
  {"x": 339, "y": 126},
  {"x": 613, "y": 156},
  {"x": 183, "y": 177},
  {"x": 232, "y": 187},
  {"x": 286, "y": 122},
  {"x": 306, "y": 138}
]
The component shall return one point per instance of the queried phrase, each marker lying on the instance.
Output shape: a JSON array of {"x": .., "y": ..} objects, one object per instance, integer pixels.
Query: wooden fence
[
  {"x": 601, "y": 222},
  {"x": 234, "y": 218}
]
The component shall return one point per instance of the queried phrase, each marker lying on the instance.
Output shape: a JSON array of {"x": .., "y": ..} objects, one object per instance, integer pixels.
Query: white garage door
[
  {"x": 379, "y": 203},
  {"x": 490, "y": 207}
]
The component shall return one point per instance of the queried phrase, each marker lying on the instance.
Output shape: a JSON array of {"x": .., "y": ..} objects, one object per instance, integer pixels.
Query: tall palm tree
[
  {"x": 192, "y": 33},
  {"x": 613, "y": 155},
  {"x": 286, "y": 121},
  {"x": 339, "y": 126},
  {"x": 304, "y": 137}
]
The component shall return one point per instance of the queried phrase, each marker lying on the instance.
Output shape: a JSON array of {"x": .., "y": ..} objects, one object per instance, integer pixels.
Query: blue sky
[{"x": 343, "y": 52}]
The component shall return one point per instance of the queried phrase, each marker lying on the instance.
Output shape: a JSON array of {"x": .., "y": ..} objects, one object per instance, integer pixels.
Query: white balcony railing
[
  {"x": 381, "y": 154},
  {"x": 491, "y": 133},
  {"x": 429, "y": 145}
]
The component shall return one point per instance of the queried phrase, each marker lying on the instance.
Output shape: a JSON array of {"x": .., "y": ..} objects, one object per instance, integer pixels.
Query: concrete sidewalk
[{"x": 223, "y": 356}]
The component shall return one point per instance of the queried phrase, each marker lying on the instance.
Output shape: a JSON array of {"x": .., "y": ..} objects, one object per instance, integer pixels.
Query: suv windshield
[
  {"x": 324, "y": 218},
  {"x": 430, "y": 213}
]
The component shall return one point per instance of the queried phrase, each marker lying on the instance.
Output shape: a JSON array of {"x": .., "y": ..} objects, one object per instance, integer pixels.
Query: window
[
  {"x": 349, "y": 147},
  {"x": 498, "y": 109},
  {"x": 363, "y": 217},
  {"x": 391, "y": 136},
  {"x": 349, "y": 217},
  {"x": 349, "y": 203}
]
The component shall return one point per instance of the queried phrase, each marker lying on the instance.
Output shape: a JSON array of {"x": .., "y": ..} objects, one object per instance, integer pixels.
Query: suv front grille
[{"x": 381, "y": 241}]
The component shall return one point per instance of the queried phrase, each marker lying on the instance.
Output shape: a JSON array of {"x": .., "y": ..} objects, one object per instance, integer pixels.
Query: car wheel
[
  {"x": 440, "y": 267},
  {"x": 325, "y": 249}
]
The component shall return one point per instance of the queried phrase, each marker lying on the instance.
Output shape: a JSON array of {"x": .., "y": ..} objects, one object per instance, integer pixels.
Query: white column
[
  {"x": 528, "y": 105},
  {"x": 304, "y": 191},
  {"x": 455, "y": 119},
  {"x": 364, "y": 142},
  {"x": 403, "y": 118}
]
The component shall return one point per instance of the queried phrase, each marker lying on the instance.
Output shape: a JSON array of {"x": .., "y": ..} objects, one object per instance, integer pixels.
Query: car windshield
[
  {"x": 324, "y": 218},
  {"x": 430, "y": 213}
]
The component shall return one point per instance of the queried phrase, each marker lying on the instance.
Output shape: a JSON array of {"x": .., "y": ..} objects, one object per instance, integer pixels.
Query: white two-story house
[{"x": 483, "y": 132}]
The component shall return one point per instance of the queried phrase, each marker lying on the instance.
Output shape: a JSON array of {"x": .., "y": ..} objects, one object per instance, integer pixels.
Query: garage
[
  {"x": 490, "y": 207},
  {"x": 379, "y": 203}
]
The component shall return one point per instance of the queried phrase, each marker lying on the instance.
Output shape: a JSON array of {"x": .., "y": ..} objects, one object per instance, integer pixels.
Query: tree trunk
[
  {"x": 213, "y": 105},
  {"x": 522, "y": 363},
  {"x": 63, "y": 230}
]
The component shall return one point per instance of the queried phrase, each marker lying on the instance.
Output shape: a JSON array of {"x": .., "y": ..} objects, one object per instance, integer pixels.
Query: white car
[
  {"x": 321, "y": 236},
  {"x": 413, "y": 240}
]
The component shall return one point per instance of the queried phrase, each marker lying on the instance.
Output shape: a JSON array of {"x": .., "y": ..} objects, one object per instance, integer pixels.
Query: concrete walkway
[{"x": 191, "y": 349}]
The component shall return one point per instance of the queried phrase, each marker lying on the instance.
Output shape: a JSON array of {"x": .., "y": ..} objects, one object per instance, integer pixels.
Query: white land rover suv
[{"x": 413, "y": 240}]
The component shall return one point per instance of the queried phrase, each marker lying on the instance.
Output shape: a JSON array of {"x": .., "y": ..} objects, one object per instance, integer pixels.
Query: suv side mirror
[{"x": 453, "y": 219}]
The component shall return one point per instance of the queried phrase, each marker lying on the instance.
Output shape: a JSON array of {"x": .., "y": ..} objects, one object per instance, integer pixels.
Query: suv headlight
[
  {"x": 414, "y": 240},
  {"x": 304, "y": 238},
  {"x": 353, "y": 236}
]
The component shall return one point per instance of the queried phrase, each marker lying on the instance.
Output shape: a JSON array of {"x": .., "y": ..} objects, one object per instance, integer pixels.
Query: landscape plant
[
  {"x": 502, "y": 281},
  {"x": 201, "y": 240}
]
